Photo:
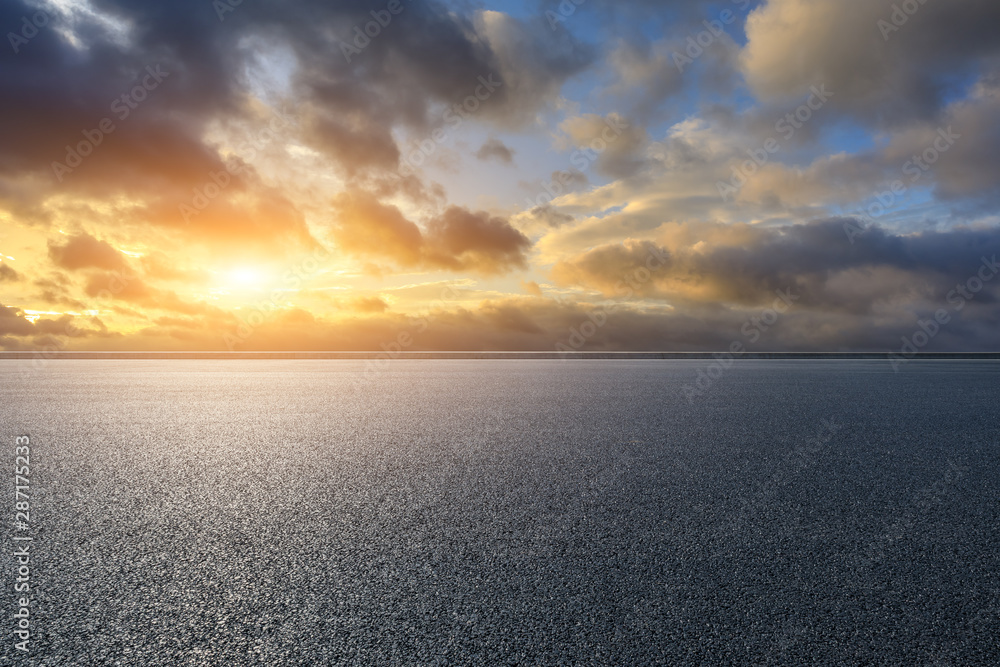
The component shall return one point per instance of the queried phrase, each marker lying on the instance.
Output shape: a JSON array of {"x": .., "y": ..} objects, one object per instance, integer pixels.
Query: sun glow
[{"x": 246, "y": 276}]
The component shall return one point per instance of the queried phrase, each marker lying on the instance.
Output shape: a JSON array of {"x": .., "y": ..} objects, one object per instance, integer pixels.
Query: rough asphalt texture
[{"x": 507, "y": 512}]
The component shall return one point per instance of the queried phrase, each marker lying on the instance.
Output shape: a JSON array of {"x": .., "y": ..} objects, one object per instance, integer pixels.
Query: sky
[{"x": 760, "y": 175}]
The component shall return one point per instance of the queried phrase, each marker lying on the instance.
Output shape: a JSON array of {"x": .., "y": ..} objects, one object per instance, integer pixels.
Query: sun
[{"x": 246, "y": 276}]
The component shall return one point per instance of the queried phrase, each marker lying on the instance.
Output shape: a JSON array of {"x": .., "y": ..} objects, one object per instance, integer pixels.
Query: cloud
[
  {"x": 531, "y": 62},
  {"x": 542, "y": 218},
  {"x": 612, "y": 140},
  {"x": 955, "y": 155},
  {"x": 969, "y": 166},
  {"x": 46, "y": 331},
  {"x": 494, "y": 149},
  {"x": 644, "y": 74},
  {"x": 8, "y": 274},
  {"x": 158, "y": 266},
  {"x": 461, "y": 237},
  {"x": 531, "y": 287},
  {"x": 456, "y": 240},
  {"x": 609, "y": 268},
  {"x": 535, "y": 323},
  {"x": 269, "y": 93},
  {"x": 882, "y": 76},
  {"x": 133, "y": 289},
  {"x": 215, "y": 77},
  {"x": 877, "y": 273},
  {"x": 84, "y": 251},
  {"x": 258, "y": 222},
  {"x": 369, "y": 304},
  {"x": 13, "y": 323}
]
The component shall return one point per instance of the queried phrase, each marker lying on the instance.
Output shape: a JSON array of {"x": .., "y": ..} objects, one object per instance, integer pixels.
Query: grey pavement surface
[{"x": 475, "y": 512}]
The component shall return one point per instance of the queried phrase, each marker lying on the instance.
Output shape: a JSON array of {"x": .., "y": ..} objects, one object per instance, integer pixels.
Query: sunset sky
[{"x": 593, "y": 175}]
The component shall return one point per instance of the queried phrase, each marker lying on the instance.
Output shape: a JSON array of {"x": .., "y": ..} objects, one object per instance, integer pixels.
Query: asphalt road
[{"x": 506, "y": 512}]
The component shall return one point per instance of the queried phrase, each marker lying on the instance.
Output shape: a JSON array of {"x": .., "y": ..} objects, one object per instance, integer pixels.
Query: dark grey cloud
[
  {"x": 12, "y": 322},
  {"x": 537, "y": 323},
  {"x": 55, "y": 91},
  {"x": 17, "y": 332},
  {"x": 428, "y": 57},
  {"x": 548, "y": 216},
  {"x": 826, "y": 271},
  {"x": 494, "y": 149}
]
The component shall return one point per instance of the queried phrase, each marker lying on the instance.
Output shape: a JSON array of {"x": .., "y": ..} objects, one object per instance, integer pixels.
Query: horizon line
[{"x": 457, "y": 354}]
